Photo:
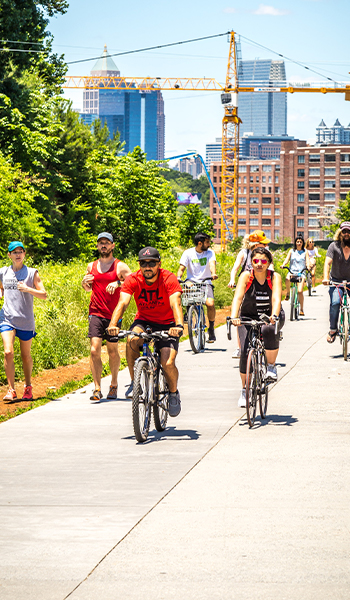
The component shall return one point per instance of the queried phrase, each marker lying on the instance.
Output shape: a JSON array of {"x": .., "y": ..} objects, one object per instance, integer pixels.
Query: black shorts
[
  {"x": 171, "y": 342},
  {"x": 97, "y": 328},
  {"x": 271, "y": 339}
]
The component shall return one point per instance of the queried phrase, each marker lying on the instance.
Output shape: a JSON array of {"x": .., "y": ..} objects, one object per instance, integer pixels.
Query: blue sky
[{"x": 312, "y": 32}]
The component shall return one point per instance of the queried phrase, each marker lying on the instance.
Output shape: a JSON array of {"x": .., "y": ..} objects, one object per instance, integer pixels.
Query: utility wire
[{"x": 208, "y": 37}]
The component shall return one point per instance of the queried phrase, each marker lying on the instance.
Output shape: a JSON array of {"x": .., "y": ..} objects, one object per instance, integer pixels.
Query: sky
[{"x": 311, "y": 32}]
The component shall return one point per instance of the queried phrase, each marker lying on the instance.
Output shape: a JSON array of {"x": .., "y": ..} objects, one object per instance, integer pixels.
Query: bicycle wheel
[
  {"x": 194, "y": 332},
  {"x": 202, "y": 327},
  {"x": 292, "y": 304},
  {"x": 160, "y": 406},
  {"x": 263, "y": 387},
  {"x": 345, "y": 333},
  {"x": 297, "y": 307},
  {"x": 251, "y": 387},
  {"x": 141, "y": 400},
  {"x": 309, "y": 283}
]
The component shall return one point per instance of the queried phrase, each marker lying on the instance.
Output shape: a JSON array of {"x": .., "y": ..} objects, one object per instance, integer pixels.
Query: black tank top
[{"x": 257, "y": 300}]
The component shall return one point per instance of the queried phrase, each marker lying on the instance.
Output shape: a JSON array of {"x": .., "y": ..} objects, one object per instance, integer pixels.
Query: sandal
[{"x": 331, "y": 336}]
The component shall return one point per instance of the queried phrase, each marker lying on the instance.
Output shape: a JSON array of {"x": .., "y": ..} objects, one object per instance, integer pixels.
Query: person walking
[
  {"x": 19, "y": 285},
  {"x": 103, "y": 279}
]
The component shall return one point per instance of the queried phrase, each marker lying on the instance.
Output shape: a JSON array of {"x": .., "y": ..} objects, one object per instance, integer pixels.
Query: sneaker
[
  {"x": 242, "y": 399},
  {"x": 313, "y": 290},
  {"x": 271, "y": 373},
  {"x": 11, "y": 395},
  {"x": 174, "y": 404},
  {"x": 97, "y": 395},
  {"x": 113, "y": 391},
  {"x": 211, "y": 336},
  {"x": 237, "y": 353},
  {"x": 130, "y": 390},
  {"x": 28, "y": 393},
  {"x": 287, "y": 297}
]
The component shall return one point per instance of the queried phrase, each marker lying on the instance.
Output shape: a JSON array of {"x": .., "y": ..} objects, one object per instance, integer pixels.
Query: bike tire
[
  {"x": 263, "y": 387},
  {"x": 297, "y": 310},
  {"x": 161, "y": 404},
  {"x": 194, "y": 332},
  {"x": 228, "y": 329},
  {"x": 141, "y": 400},
  {"x": 292, "y": 304},
  {"x": 202, "y": 328},
  {"x": 345, "y": 333},
  {"x": 251, "y": 387},
  {"x": 309, "y": 283}
]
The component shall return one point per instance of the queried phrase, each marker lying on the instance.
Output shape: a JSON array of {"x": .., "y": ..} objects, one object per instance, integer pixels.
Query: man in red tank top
[{"x": 103, "y": 279}]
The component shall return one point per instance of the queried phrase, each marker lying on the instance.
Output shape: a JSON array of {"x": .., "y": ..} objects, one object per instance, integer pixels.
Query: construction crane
[{"x": 230, "y": 123}]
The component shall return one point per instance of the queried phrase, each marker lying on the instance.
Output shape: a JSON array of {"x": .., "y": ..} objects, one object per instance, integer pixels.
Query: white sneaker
[
  {"x": 271, "y": 373},
  {"x": 241, "y": 399},
  {"x": 237, "y": 353}
]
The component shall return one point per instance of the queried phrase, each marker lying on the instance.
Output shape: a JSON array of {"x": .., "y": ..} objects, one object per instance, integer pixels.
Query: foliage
[
  {"x": 235, "y": 245},
  {"x": 342, "y": 214},
  {"x": 184, "y": 182},
  {"x": 193, "y": 221}
]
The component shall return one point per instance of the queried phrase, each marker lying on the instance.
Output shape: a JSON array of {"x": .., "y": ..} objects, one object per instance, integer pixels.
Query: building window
[
  {"x": 277, "y": 233},
  {"x": 314, "y": 196},
  {"x": 301, "y": 185},
  {"x": 270, "y": 179},
  {"x": 344, "y": 183},
  {"x": 330, "y": 171},
  {"x": 277, "y": 190},
  {"x": 242, "y": 210},
  {"x": 277, "y": 222},
  {"x": 241, "y": 232},
  {"x": 266, "y": 211},
  {"x": 345, "y": 158},
  {"x": 314, "y": 158},
  {"x": 253, "y": 210},
  {"x": 244, "y": 190},
  {"x": 214, "y": 168},
  {"x": 267, "y": 168},
  {"x": 257, "y": 179},
  {"x": 263, "y": 179},
  {"x": 254, "y": 200},
  {"x": 300, "y": 198},
  {"x": 251, "y": 190},
  {"x": 254, "y": 168},
  {"x": 214, "y": 179},
  {"x": 254, "y": 222},
  {"x": 300, "y": 210},
  {"x": 301, "y": 159},
  {"x": 277, "y": 200},
  {"x": 276, "y": 178},
  {"x": 277, "y": 211},
  {"x": 344, "y": 170},
  {"x": 241, "y": 169},
  {"x": 244, "y": 179},
  {"x": 277, "y": 168},
  {"x": 242, "y": 200},
  {"x": 329, "y": 197},
  {"x": 314, "y": 234},
  {"x": 314, "y": 183},
  {"x": 266, "y": 200},
  {"x": 313, "y": 223},
  {"x": 314, "y": 172},
  {"x": 266, "y": 221},
  {"x": 263, "y": 189},
  {"x": 329, "y": 157},
  {"x": 241, "y": 221},
  {"x": 301, "y": 172},
  {"x": 251, "y": 179},
  {"x": 300, "y": 222},
  {"x": 313, "y": 209},
  {"x": 256, "y": 190},
  {"x": 330, "y": 183}
]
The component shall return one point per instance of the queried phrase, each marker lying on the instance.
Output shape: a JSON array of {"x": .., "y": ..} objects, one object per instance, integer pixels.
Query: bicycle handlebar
[
  {"x": 264, "y": 320},
  {"x": 197, "y": 282},
  {"x": 296, "y": 274}
]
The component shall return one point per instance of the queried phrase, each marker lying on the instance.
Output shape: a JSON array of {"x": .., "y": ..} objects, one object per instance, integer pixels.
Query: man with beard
[
  {"x": 103, "y": 279},
  {"x": 157, "y": 295},
  {"x": 337, "y": 257}
]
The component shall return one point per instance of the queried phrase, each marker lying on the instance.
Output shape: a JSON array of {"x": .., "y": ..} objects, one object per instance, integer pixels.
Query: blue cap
[
  {"x": 14, "y": 245},
  {"x": 106, "y": 235}
]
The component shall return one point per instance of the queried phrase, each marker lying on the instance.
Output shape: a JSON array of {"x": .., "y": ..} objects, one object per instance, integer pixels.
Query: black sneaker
[
  {"x": 174, "y": 404},
  {"x": 211, "y": 336}
]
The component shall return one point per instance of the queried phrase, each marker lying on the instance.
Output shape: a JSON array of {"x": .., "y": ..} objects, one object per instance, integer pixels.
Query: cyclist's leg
[
  {"x": 301, "y": 294},
  {"x": 133, "y": 346},
  {"x": 167, "y": 359},
  {"x": 287, "y": 286},
  {"x": 335, "y": 295},
  {"x": 210, "y": 303},
  {"x": 244, "y": 341},
  {"x": 271, "y": 343}
]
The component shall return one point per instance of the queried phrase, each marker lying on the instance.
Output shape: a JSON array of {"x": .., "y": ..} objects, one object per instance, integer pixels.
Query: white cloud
[
  {"x": 229, "y": 10},
  {"x": 265, "y": 9}
]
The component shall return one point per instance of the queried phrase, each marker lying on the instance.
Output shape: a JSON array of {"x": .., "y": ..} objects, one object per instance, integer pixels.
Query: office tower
[
  {"x": 213, "y": 152},
  {"x": 265, "y": 113},
  {"x": 138, "y": 115},
  {"x": 338, "y": 134}
]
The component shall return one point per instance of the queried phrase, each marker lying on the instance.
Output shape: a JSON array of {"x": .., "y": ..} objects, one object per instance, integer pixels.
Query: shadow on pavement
[
  {"x": 287, "y": 420},
  {"x": 171, "y": 433}
]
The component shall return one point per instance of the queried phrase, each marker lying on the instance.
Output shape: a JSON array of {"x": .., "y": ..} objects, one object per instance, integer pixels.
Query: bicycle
[
  {"x": 256, "y": 382},
  {"x": 194, "y": 296},
  {"x": 294, "y": 298},
  {"x": 151, "y": 390},
  {"x": 344, "y": 316}
]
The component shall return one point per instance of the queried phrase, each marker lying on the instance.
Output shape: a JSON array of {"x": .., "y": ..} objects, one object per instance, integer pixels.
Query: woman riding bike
[
  {"x": 258, "y": 292},
  {"x": 299, "y": 261},
  {"x": 313, "y": 254}
]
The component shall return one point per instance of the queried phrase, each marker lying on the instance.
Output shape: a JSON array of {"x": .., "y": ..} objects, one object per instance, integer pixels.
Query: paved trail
[{"x": 208, "y": 509}]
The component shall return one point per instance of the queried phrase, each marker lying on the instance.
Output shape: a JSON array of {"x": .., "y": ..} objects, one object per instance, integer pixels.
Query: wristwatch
[{"x": 180, "y": 326}]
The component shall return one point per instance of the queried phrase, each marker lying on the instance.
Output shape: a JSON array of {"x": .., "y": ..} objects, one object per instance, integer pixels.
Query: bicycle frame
[
  {"x": 195, "y": 301},
  {"x": 344, "y": 315},
  {"x": 294, "y": 299}
]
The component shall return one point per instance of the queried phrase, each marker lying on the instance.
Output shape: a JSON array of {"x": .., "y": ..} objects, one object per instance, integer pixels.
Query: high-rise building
[
  {"x": 264, "y": 113},
  {"x": 213, "y": 152},
  {"x": 138, "y": 115},
  {"x": 338, "y": 134}
]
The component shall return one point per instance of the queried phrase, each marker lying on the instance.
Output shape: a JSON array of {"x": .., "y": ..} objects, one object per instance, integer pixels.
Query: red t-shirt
[
  {"x": 152, "y": 301},
  {"x": 102, "y": 304}
]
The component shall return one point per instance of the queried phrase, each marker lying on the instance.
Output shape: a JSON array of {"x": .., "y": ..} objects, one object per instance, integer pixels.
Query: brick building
[{"x": 295, "y": 195}]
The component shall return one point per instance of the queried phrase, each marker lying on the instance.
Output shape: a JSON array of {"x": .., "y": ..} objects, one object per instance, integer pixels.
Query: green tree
[
  {"x": 342, "y": 214},
  {"x": 193, "y": 221}
]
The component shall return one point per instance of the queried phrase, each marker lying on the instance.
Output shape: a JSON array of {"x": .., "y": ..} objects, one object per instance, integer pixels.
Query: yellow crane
[{"x": 230, "y": 123}]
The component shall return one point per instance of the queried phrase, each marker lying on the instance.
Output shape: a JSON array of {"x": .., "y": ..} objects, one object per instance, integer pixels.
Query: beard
[
  {"x": 346, "y": 242},
  {"x": 148, "y": 274},
  {"x": 105, "y": 253}
]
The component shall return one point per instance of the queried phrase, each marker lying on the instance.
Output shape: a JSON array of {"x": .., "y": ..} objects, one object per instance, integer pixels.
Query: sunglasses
[
  {"x": 148, "y": 263},
  {"x": 345, "y": 231},
  {"x": 256, "y": 261}
]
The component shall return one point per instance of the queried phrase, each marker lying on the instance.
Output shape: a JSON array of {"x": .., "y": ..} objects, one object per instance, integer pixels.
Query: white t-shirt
[{"x": 197, "y": 263}]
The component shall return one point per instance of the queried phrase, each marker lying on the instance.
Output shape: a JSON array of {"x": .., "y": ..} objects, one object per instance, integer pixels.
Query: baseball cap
[
  {"x": 13, "y": 245},
  {"x": 149, "y": 252},
  {"x": 345, "y": 225},
  {"x": 106, "y": 235},
  {"x": 259, "y": 236}
]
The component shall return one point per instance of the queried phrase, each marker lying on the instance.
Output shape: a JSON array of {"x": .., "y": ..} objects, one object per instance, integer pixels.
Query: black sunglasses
[{"x": 148, "y": 263}]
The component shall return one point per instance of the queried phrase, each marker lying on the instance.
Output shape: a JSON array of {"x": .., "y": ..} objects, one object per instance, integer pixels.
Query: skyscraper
[
  {"x": 265, "y": 113},
  {"x": 138, "y": 115}
]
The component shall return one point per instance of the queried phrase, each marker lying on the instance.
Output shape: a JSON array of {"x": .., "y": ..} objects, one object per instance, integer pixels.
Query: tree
[
  {"x": 193, "y": 221},
  {"x": 341, "y": 214}
]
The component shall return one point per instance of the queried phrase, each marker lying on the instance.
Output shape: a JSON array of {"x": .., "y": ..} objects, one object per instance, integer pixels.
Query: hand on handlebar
[
  {"x": 113, "y": 331},
  {"x": 176, "y": 331},
  {"x": 236, "y": 321},
  {"x": 325, "y": 281}
]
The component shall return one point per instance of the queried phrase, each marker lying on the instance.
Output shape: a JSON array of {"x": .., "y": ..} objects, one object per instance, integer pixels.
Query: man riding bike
[
  {"x": 200, "y": 263},
  {"x": 157, "y": 295},
  {"x": 337, "y": 264}
]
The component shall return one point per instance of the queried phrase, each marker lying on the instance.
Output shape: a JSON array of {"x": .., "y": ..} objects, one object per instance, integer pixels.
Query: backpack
[{"x": 251, "y": 279}]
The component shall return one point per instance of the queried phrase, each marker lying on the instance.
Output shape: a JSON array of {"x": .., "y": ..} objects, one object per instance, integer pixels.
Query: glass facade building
[{"x": 137, "y": 115}]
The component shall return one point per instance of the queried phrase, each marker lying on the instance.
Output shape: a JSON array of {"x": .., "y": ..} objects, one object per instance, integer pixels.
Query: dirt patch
[{"x": 55, "y": 378}]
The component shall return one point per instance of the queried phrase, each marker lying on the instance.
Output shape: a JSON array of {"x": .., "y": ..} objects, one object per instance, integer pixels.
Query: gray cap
[{"x": 106, "y": 235}]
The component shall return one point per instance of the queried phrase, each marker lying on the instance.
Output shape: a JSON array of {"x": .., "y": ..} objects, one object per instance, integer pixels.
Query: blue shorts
[{"x": 20, "y": 333}]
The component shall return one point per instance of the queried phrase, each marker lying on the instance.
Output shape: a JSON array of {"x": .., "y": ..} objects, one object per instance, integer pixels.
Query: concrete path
[{"x": 208, "y": 509}]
